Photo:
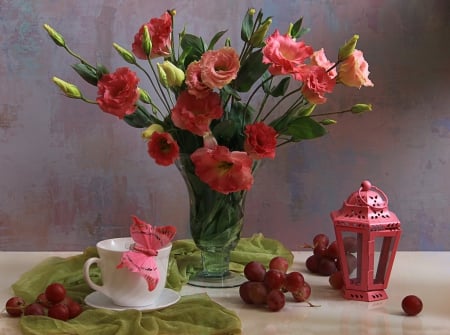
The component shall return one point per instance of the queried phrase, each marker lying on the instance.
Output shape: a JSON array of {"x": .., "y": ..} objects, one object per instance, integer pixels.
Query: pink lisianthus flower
[
  {"x": 222, "y": 170},
  {"x": 118, "y": 92},
  {"x": 354, "y": 71},
  {"x": 194, "y": 83},
  {"x": 261, "y": 141},
  {"x": 163, "y": 148},
  {"x": 160, "y": 30},
  {"x": 219, "y": 67},
  {"x": 194, "y": 114},
  {"x": 320, "y": 59},
  {"x": 284, "y": 54},
  {"x": 316, "y": 83}
]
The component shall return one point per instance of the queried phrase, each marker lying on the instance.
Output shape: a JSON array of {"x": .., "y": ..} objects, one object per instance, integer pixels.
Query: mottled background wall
[{"x": 71, "y": 175}]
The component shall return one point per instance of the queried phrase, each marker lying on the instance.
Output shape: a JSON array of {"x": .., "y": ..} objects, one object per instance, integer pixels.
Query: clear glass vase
[{"x": 216, "y": 221}]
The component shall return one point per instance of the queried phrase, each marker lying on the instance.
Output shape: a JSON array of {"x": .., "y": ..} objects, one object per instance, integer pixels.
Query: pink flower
[
  {"x": 194, "y": 81},
  {"x": 219, "y": 67},
  {"x": 163, "y": 148},
  {"x": 354, "y": 71},
  {"x": 160, "y": 30},
  {"x": 194, "y": 114},
  {"x": 316, "y": 83},
  {"x": 284, "y": 54},
  {"x": 222, "y": 170},
  {"x": 320, "y": 59},
  {"x": 261, "y": 141},
  {"x": 118, "y": 92}
]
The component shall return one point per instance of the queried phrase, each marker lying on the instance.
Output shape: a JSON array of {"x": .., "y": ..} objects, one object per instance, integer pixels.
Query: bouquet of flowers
[{"x": 223, "y": 108}]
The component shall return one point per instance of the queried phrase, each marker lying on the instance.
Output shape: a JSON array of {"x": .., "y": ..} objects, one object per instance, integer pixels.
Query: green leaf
[
  {"x": 247, "y": 27},
  {"x": 281, "y": 88},
  {"x": 228, "y": 90},
  {"x": 296, "y": 28},
  {"x": 266, "y": 83},
  {"x": 195, "y": 45},
  {"x": 225, "y": 130},
  {"x": 251, "y": 70},
  {"x": 101, "y": 70},
  {"x": 140, "y": 118},
  {"x": 304, "y": 128},
  {"x": 88, "y": 73},
  {"x": 215, "y": 39}
]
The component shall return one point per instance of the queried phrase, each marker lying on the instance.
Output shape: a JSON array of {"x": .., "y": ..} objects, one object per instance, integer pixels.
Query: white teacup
[{"x": 123, "y": 287}]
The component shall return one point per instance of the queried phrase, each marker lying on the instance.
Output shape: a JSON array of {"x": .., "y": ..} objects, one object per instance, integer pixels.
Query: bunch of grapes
[
  {"x": 267, "y": 287},
  {"x": 325, "y": 258},
  {"x": 53, "y": 302}
]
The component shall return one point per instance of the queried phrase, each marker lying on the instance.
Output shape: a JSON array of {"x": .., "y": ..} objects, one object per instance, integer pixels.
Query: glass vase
[{"x": 216, "y": 221}]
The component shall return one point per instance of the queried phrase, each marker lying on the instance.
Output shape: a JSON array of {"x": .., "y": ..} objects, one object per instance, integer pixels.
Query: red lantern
[{"x": 367, "y": 235}]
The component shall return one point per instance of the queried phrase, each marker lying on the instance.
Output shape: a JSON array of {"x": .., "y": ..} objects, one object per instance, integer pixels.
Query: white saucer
[{"x": 167, "y": 298}]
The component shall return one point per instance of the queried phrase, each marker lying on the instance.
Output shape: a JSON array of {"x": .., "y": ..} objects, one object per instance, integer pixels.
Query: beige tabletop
[{"x": 425, "y": 274}]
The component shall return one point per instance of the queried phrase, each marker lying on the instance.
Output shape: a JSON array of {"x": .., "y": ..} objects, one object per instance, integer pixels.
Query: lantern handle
[{"x": 366, "y": 186}]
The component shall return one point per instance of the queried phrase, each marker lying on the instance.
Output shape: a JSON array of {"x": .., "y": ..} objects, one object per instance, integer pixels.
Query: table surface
[{"x": 425, "y": 274}]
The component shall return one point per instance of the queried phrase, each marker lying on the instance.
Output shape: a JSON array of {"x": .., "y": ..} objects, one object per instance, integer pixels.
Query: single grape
[
  {"x": 351, "y": 262},
  {"x": 327, "y": 267},
  {"x": 42, "y": 299},
  {"x": 59, "y": 311},
  {"x": 321, "y": 239},
  {"x": 74, "y": 309},
  {"x": 254, "y": 271},
  {"x": 15, "y": 306},
  {"x": 274, "y": 279},
  {"x": 244, "y": 290},
  {"x": 312, "y": 263},
  {"x": 303, "y": 294},
  {"x": 293, "y": 281},
  {"x": 332, "y": 251},
  {"x": 55, "y": 292},
  {"x": 275, "y": 300},
  {"x": 34, "y": 309},
  {"x": 336, "y": 280},
  {"x": 279, "y": 263},
  {"x": 350, "y": 244},
  {"x": 320, "y": 251},
  {"x": 412, "y": 305},
  {"x": 257, "y": 293}
]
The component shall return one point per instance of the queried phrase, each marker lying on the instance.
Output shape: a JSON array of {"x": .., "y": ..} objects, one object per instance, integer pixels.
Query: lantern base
[{"x": 365, "y": 296}]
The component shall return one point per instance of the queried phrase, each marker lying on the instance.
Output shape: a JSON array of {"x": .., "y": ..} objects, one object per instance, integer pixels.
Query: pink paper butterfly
[{"x": 148, "y": 240}]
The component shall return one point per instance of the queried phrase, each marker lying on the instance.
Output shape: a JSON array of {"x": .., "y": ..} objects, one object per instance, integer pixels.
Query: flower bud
[
  {"x": 144, "y": 96},
  {"x": 327, "y": 122},
  {"x": 68, "y": 89},
  {"x": 348, "y": 48},
  {"x": 258, "y": 36},
  {"x": 56, "y": 37},
  {"x": 170, "y": 75},
  {"x": 209, "y": 141},
  {"x": 361, "y": 108},
  {"x": 251, "y": 11},
  {"x": 146, "y": 41},
  {"x": 147, "y": 133},
  {"x": 126, "y": 55}
]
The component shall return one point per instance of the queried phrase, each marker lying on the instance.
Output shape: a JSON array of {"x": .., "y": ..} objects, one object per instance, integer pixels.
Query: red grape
[
  {"x": 312, "y": 263},
  {"x": 332, "y": 250},
  {"x": 14, "y": 306},
  {"x": 303, "y": 294},
  {"x": 350, "y": 244},
  {"x": 34, "y": 309},
  {"x": 42, "y": 299},
  {"x": 294, "y": 281},
  {"x": 275, "y": 300},
  {"x": 321, "y": 239},
  {"x": 336, "y": 280},
  {"x": 412, "y": 305},
  {"x": 59, "y": 311},
  {"x": 55, "y": 292},
  {"x": 74, "y": 309},
  {"x": 244, "y": 290},
  {"x": 257, "y": 292},
  {"x": 351, "y": 262},
  {"x": 327, "y": 267},
  {"x": 274, "y": 279},
  {"x": 254, "y": 271},
  {"x": 279, "y": 263}
]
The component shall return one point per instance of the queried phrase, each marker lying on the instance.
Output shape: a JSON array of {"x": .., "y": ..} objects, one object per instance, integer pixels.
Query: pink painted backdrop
[{"x": 71, "y": 175}]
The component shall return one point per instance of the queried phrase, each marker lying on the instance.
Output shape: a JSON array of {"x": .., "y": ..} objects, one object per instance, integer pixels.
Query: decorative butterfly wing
[
  {"x": 149, "y": 237},
  {"x": 143, "y": 264}
]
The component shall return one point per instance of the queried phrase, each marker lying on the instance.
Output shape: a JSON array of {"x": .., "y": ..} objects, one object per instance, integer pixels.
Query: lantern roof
[{"x": 366, "y": 208}]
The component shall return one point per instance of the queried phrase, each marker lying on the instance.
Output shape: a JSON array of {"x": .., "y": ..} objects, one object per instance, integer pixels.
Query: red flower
[
  {"x": 261, "y": 141},
  {"x": 160, "y": 30},
  {"x": 219, "y": 67},
  {"x": 316, "y": 82},
  {"x": 118, "y": 92},
  {"x": 195, "y": 114},
  {"x": 163, "y": 148},
  {"x": 222, "y": 170},
  {"x": 284, "y": 54}
]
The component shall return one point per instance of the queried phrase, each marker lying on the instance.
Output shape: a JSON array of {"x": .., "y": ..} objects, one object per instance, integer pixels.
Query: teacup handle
[{"x": 87, "y": 277}]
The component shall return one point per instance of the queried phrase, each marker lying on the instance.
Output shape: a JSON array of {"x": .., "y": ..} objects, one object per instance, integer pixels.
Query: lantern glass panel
[
  {"x": 383, "y": 250},
  {"x": 352, "y": 242}
]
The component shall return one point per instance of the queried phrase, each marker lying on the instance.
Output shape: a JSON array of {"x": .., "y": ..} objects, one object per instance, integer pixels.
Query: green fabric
[{"x": 185, "y": 317}]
